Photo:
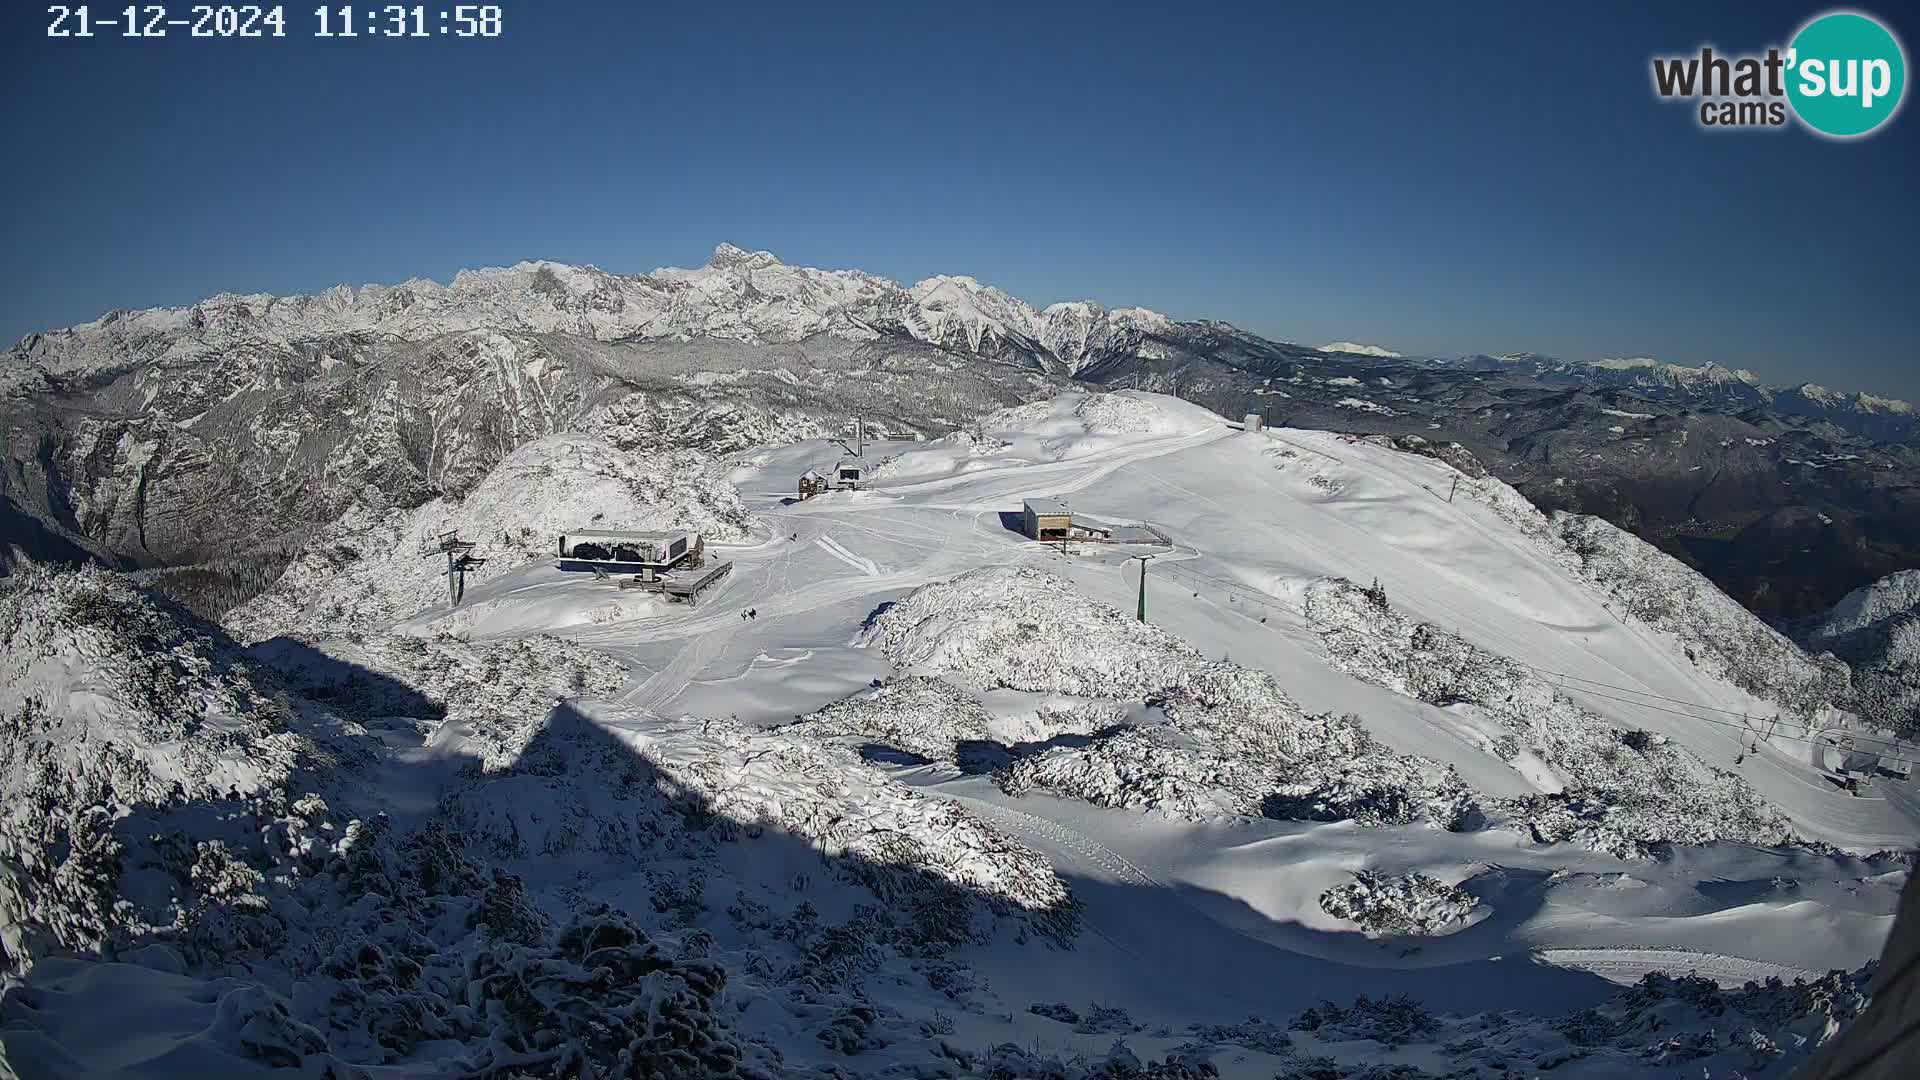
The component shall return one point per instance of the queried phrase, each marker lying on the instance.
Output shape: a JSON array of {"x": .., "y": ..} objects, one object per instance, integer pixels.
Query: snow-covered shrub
[
  {"x": 1399, "y": 903},
  {"x": 1887, "y": 680},
  {"x": 176, "y": 807},
  {"x": 1626, "y": 822},
  {"x": 137, "y": 743},
  {"x": 975, "y": 439},
  {"x": 1106, "y": 1019},
  {"x": 1007, "y": 1061},
  {"x": 1026, "y": 629},
  {"x": 498, "y": 692},
  {"x": 1662, "y": 1024},
  {"x": 581, "y": 787},
  {"x": 1252, "y": 1033},
  {"x": 1622, "y": 790},
  {"x": 1321, "y": 1067},
  {"x": 921, "y": 715},
  {"x": 1454, "y": 454},
  {"x": 1201, "y": 777},
  {"x": 1058, "y": 1010},
  {"x": 851, "y": 1031},
  {"x": 1394, "y": 1020},
  {"x": 934, "y": 720},
  {"x": 1234, "y": 742},
  {"x": 1141, "y": 768},
  {"x": 429, "y": 945},
  {"x": 1666, "y": 1020},
  {"x": 737, "y": 419},
  {"x": 602, "y": 1001},
  {"x": 261, "y": 1026},
  {"x": 1720, "y": 636}
]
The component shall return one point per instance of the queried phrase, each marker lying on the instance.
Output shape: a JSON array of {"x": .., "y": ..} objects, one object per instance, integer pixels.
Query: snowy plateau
[{"x": 1399, "y": 777}]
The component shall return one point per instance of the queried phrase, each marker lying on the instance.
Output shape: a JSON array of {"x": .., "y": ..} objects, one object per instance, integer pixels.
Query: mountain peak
[
  {"x": 727, "y": 256},
  {"x": 1874, "y": 403},
  {"x": 1710, "y": 371},
  {"x": 1359, "y": 350},
  {"x": 952, "y": 282}
]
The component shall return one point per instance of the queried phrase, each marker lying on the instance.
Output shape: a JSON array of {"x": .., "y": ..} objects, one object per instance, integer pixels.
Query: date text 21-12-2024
[{"x": 257, "y": 21}]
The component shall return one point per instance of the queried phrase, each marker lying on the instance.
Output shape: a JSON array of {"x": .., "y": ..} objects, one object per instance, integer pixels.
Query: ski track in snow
[
  {"x": 1626, "y": 965},
  {"x": 1054, "y": 836},
  {"x": 833, "y": 548}
]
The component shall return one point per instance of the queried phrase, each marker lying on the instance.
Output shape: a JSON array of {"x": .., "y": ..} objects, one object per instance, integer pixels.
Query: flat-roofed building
[
  {"x": 1051, "y": 520},
  {"x": 1047, "y": 519},
  {"x": 651, "y": 550}
]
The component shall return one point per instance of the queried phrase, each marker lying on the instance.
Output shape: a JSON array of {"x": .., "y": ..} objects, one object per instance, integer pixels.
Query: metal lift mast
[{"x": 460, "y": 559}]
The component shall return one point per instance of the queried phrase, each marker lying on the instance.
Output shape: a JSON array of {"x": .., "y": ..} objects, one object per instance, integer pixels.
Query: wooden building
[{"x": 1047, "y": 519}]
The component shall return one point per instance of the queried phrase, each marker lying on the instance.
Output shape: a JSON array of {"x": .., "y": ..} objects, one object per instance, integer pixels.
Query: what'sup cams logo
[{"x": 1843, "y": 76}]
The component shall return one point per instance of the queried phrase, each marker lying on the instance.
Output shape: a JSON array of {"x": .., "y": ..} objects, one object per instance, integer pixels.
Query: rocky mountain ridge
[
  {"x": 737, "y": 296},
  {"x": 1712, "y": 384},
  {"x": 170, "y": 437}
]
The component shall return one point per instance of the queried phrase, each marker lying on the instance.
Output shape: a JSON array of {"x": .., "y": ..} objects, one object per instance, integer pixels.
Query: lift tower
[{"x": 460, "y": 559}]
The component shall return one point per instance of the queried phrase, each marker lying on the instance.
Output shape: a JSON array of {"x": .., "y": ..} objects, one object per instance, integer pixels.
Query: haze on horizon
[{"x": 1312, "y": 176}]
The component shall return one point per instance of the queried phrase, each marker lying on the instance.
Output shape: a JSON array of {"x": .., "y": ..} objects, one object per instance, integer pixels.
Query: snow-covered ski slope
[
  {"x": 1182, "y": 924},
  {"x": 1256, "y": 520}
]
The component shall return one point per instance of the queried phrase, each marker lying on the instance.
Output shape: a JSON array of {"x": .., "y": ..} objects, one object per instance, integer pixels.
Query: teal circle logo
[{"x": 1846, "y": 74}]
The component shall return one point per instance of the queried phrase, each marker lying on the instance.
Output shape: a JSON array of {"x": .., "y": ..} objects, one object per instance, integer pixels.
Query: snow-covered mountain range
[
  {"x": 174, "y": 436},
  {"x": 747, "y": 296},
  {"x": 1711, "y": 383},
  {"x": 194, "y": 437}
]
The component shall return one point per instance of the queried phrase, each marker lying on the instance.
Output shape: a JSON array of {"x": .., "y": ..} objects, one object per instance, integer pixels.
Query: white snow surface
[
  {"x": 909, "y": 795},
  {"x": 1064, "y": 428}
]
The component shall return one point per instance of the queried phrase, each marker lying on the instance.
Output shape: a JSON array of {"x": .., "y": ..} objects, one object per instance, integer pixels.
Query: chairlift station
[
  {"x": 672, "y": 563},
  {"x": 848, "y": 474}
]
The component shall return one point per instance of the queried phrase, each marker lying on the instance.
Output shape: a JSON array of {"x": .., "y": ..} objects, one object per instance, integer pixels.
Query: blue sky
[{"x": 1435, "y": 177}]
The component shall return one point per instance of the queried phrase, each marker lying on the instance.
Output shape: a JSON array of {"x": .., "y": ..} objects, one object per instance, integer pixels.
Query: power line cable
[
  {"x": 1730, "y": 724},
  {"x": 1631, "y": 690}
]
